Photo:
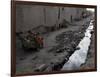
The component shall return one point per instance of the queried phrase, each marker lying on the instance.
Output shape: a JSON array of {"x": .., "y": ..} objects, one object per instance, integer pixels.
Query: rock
[
  {"x": 59, "y": 50},
  {"x": 34, "y": 57},
  {"x": 68, "y": 50},
  {"x": 22, "y": 58},
  {"x": 82, "y": 35},
  {"x": 67, "y": 57},
  {"x": 58, "y": 65},
  {"x": 77, "y": 48},
  {"x": 73, "y": 44},
  {"x": 49, "y": 68},
  {"x": 41, "y": 68},
  {"x": 92, "y": 32}
]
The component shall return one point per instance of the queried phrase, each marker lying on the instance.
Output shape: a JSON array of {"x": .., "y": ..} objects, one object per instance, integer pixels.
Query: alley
[{"x": 53, "y": 53}]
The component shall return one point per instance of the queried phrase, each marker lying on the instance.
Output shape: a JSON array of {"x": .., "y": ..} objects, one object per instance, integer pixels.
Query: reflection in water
[{"x": 79, "y": 56}]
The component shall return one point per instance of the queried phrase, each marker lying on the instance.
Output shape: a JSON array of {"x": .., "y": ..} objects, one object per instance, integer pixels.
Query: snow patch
[{"x": 79, "y": 56}]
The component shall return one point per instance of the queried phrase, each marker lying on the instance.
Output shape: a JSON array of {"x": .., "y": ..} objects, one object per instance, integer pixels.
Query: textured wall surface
[{"x": 31, "y": 16}]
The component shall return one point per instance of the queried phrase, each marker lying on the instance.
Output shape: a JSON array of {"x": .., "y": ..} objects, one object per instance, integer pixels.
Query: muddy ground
[{"x": 58, "y": 46}]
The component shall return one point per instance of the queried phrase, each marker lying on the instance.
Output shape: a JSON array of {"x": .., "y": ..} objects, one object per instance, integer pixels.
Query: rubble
[
  {"x": 57, "y": 65},
  {"x": 42, "y": 67},
  {"x": 22, "y": 58},
  {"x": 34, "y": 57},
  {"x": 54, "y": 58},
  {"x": 79, "y": 57}
]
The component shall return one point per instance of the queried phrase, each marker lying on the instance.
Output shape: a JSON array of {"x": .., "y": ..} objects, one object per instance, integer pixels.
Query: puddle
[{"x": 79, "y": 56}]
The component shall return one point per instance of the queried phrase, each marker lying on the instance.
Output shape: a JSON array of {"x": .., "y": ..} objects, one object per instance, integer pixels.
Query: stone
[
  {"x": 59, "y": 50},
  {"x": 92, "y": 32},
  {"x": 77, "y": 48},
  {"x": 41, "y": 68},
  {"x": 49, "y": 68},
  {"x": 34, "y": 57},
  {"x": 73, "y": 44},
  {"x": 22, "y": 58}
]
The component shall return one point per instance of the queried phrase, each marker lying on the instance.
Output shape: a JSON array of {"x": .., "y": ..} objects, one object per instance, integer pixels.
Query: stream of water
[{"x": 79, "y": 56}]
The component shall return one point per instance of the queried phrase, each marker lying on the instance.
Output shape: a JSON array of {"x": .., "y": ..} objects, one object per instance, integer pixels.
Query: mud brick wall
[{"x": 31, "y": 16}]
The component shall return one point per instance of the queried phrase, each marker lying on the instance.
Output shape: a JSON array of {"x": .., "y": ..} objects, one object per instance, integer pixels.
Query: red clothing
[{"x": 39, "y": 39}]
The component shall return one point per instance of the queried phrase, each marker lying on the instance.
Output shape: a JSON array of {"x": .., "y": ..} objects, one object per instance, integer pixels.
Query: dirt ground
[{"x": 58, "y": 47}]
